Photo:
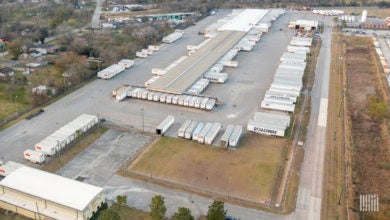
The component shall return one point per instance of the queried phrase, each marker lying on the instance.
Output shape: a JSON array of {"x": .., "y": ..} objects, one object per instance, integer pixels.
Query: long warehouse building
[
  {"x": 181, "y": 77},
  {"x": 41, "y": 195}
]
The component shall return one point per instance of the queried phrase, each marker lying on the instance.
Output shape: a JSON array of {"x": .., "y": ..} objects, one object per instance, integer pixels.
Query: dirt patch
[
  {"x": 370, "y": 144},
  {"x": 248, "y": 173}
]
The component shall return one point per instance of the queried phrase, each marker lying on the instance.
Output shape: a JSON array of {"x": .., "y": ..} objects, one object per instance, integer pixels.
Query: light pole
[
  {"x": 143, "y": 122},
  {"x": 16, "y": 106}
]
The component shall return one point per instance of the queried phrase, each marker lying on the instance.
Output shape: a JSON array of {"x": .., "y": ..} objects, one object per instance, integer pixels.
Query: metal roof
[
  {"x": 51, "y": 187},
  {"x": 182, "y": 76}
]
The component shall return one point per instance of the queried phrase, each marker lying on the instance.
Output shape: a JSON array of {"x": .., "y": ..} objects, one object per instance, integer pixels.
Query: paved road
[
  {"x": 95, "y": 23},
  {"x": 241, "y": 95},
  {"x": 310, "y": 187}
]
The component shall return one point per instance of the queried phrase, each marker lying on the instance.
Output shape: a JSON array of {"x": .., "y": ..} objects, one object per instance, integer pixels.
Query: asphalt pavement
[{"x": 310, "y": 187}]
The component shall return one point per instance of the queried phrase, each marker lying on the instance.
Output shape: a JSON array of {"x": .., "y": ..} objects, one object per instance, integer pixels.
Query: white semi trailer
[{"x": 165, "y": 125}]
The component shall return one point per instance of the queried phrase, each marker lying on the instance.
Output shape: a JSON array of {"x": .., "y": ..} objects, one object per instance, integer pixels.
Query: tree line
[{"x": 158, "y": 210}]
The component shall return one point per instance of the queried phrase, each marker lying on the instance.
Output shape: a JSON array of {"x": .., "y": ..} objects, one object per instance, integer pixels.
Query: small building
[
  {"x": 42, "y": 195},
  {"x": 304, "y": 24}
]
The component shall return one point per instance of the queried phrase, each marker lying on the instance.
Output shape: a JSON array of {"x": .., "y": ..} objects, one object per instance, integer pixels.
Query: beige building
[{"x": 41, "y": 195}]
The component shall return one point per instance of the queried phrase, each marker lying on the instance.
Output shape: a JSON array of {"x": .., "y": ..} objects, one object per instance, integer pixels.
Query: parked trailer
[
  {"x": 153, "y": 47},
  {"x": 168, "y": 99},
  {"x": 180, "y": 101},
  {"x": 292, "y": 61},
  {"x": 278, "y": 100},
  {"x": 150, "y": 96},
  {"x": 183, "y": 128},
  {"x": 141, "y": 54},
  {"x": 156, "y": 96},
  {"x": 272, "y": 119},
  {"x": 110, "y": 71},
  {"x": 126, "y": 63},
  {"x": 274, "y": 116},
  {"x": 121, "y": 93},
  {"x": 190, "y": 129},
  {"x": 145, "y": 94},
  {"x": 119, "y": 88},
  {"x": 210, "y": 136},
  {"x": 235, "y": 137},
  {"x": 191, "y": 102},
  {"x": 34, "y": 156},
  {"x": 198, "y": 101},
  {"x": 285, "y": 87},
  {"x": 135, "y": 92},
  {"x": 300, "y": 43},
  {"x": 175, "y": 99},
  {"x": 278, "y": 106},
  {"x": 296, "y": 66},
  {"x": 298, "y": 49},
  {"x": 186, "y": 100},
  {"x": 226, "y": 135},
  {"x": 165, "y": 125},
  {"x": 291, "y": 76},
  {"x": 172, "y": 37},
  {"x": 259, "y": 128},
  {"x": 48, "y": 148},
  {"x": 203, "y": 103},
  {"x": 5, "y": 170},
  {"x": 204, "y": 131},
  {"x": 197, "y": 130},
  {"x": 294, "y": 55},
  {"x": 140, "y": 92},
  {"x": 163, "y": 97},
  {"x": 280, "y": 96},
  {"x": 210, "y": 104},
  {"x": 216, "y": 77}
]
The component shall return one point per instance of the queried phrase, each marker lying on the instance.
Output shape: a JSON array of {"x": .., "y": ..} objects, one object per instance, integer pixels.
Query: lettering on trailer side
[{"x": 266, "y": 130}]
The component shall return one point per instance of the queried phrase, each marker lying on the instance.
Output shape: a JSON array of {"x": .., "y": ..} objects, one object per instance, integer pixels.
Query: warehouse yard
[{"x": 248, "y": 173}]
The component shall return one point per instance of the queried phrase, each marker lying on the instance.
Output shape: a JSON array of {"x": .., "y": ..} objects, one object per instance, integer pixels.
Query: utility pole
[
  {"x": 16, "y": 106},
  {"x": 143, "y": 121}
]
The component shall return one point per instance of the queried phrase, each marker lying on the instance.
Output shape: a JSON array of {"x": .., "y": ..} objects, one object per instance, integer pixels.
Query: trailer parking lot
[{"x": 240, "y": 95}]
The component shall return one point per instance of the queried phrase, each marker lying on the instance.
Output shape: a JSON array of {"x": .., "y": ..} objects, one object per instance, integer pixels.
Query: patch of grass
[
  {"x": 371, "y": 12},
  {"x": 248, "y": 173},
  {"x": 73, "y": 150},
  {"x": 126, "y": 212}
]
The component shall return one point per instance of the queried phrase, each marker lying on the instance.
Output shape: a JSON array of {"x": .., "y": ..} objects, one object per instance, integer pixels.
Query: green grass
[
  {"x": 252, "y": 169},
  {"x": 126, "y": 212}
]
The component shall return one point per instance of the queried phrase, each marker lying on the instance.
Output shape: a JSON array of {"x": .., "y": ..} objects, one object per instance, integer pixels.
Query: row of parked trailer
[
  {"x": 287, "y": 83},
  {"x": 206, "y": 132},
  {"x": 272, "y": 124},
  {"x": 147, "y": 51},
  {"x": 115, "y": 69},
  {"x": 188, "y": 100},
  {"x": 60, "y": 138}
]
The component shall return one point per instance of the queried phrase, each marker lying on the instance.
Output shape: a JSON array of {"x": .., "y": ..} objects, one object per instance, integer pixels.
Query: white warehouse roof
[
  {"x": 51, "y": 187},
  {"x": 244, "y": 20}
]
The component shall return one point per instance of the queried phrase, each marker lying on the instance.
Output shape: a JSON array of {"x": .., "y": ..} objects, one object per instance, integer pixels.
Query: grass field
[
  {"x": 371, "y": 12},
  {"x": 334, "y": 182},
  {"x": 126, "y": 212},
  {"x": 248, "y": 173}
]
